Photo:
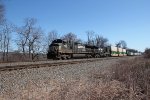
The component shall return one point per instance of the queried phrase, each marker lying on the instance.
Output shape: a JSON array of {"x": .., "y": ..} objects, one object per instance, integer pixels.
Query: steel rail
[{"x": 49, "y": 64}]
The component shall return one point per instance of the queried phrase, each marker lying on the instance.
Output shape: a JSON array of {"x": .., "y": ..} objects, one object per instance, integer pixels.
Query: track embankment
[
  {"x": 79, "y": 79},
  {"x": 29, "y": 65}
]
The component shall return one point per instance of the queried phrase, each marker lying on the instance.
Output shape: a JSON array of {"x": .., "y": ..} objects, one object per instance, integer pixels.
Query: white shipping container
[
  {"x": 120, "y": 51},
  {"x": 136, "y": 54},
  {"x": 124, "y": 52},
  {"x": 131, "y": 53},
  {"x": 114, "y": 51},
  {"x": 113, "y": 48},
  {"x": 80, "y": 46}
]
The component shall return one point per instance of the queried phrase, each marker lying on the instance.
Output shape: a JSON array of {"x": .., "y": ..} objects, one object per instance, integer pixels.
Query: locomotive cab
[
  {"x": 58, "y": 49},
  {"x": 54, "y": 48}
]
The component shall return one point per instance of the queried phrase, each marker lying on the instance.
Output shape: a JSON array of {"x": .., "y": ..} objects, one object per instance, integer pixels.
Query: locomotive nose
[
  {"x": 52, "y": 53},
  {"x": 53, "y": 47}
]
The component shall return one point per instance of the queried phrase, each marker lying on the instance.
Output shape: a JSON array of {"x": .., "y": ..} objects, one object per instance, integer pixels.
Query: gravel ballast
[{"x": 54, "y": 83}]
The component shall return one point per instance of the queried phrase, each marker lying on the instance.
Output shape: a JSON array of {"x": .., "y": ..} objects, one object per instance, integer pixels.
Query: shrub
[
  {"x": 135, "y": 74},
  {"x": 147, "y": 53}
]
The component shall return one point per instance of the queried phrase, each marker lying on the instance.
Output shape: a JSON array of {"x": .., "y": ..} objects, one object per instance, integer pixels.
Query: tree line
[{"x": 31, "y": 41}]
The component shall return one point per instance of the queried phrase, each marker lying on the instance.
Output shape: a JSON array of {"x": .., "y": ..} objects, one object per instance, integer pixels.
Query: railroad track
[{"x": 10, "y": 67}]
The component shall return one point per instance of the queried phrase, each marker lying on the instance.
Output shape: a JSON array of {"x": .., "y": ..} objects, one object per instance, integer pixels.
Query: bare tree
[
  {"x": 5, "y": 38},
  {"x": 118, "y": 44},
  {"x": 100, "y": 41},
  {"x": 90, "y": 37},
  {"x": 122, "y": 44},
  {"x": 70, "y": 37},
  {"x": 44, "y": 44},
  {"x": 79, "y": 40},
  {"x": 22, "y": 40},
  {"x": 52, "y": 36},
  {"x": 35, "y": 42},
  {"x": 29, "y": 36},
  {"x": 24, "y": 34}
]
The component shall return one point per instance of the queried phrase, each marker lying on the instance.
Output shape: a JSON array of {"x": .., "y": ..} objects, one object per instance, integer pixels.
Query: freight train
[{"x": 61, "y": 49}]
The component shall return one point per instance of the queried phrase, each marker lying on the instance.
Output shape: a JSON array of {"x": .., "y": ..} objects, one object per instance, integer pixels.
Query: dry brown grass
[
  {"x": 19, "y": 57},
  {"x": 128, "y": 80},
  {"x": 135, "y": 74},
  {"x": 147, "y": 53}
]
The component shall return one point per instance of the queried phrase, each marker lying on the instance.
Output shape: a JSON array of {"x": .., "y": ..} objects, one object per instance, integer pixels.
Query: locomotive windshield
[
  {"x": 58, "y": 41},
  {"x": 53, "y": 44}
]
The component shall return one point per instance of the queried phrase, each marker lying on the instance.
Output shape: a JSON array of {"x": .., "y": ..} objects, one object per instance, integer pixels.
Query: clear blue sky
[{"x": 116, "y": 20}]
